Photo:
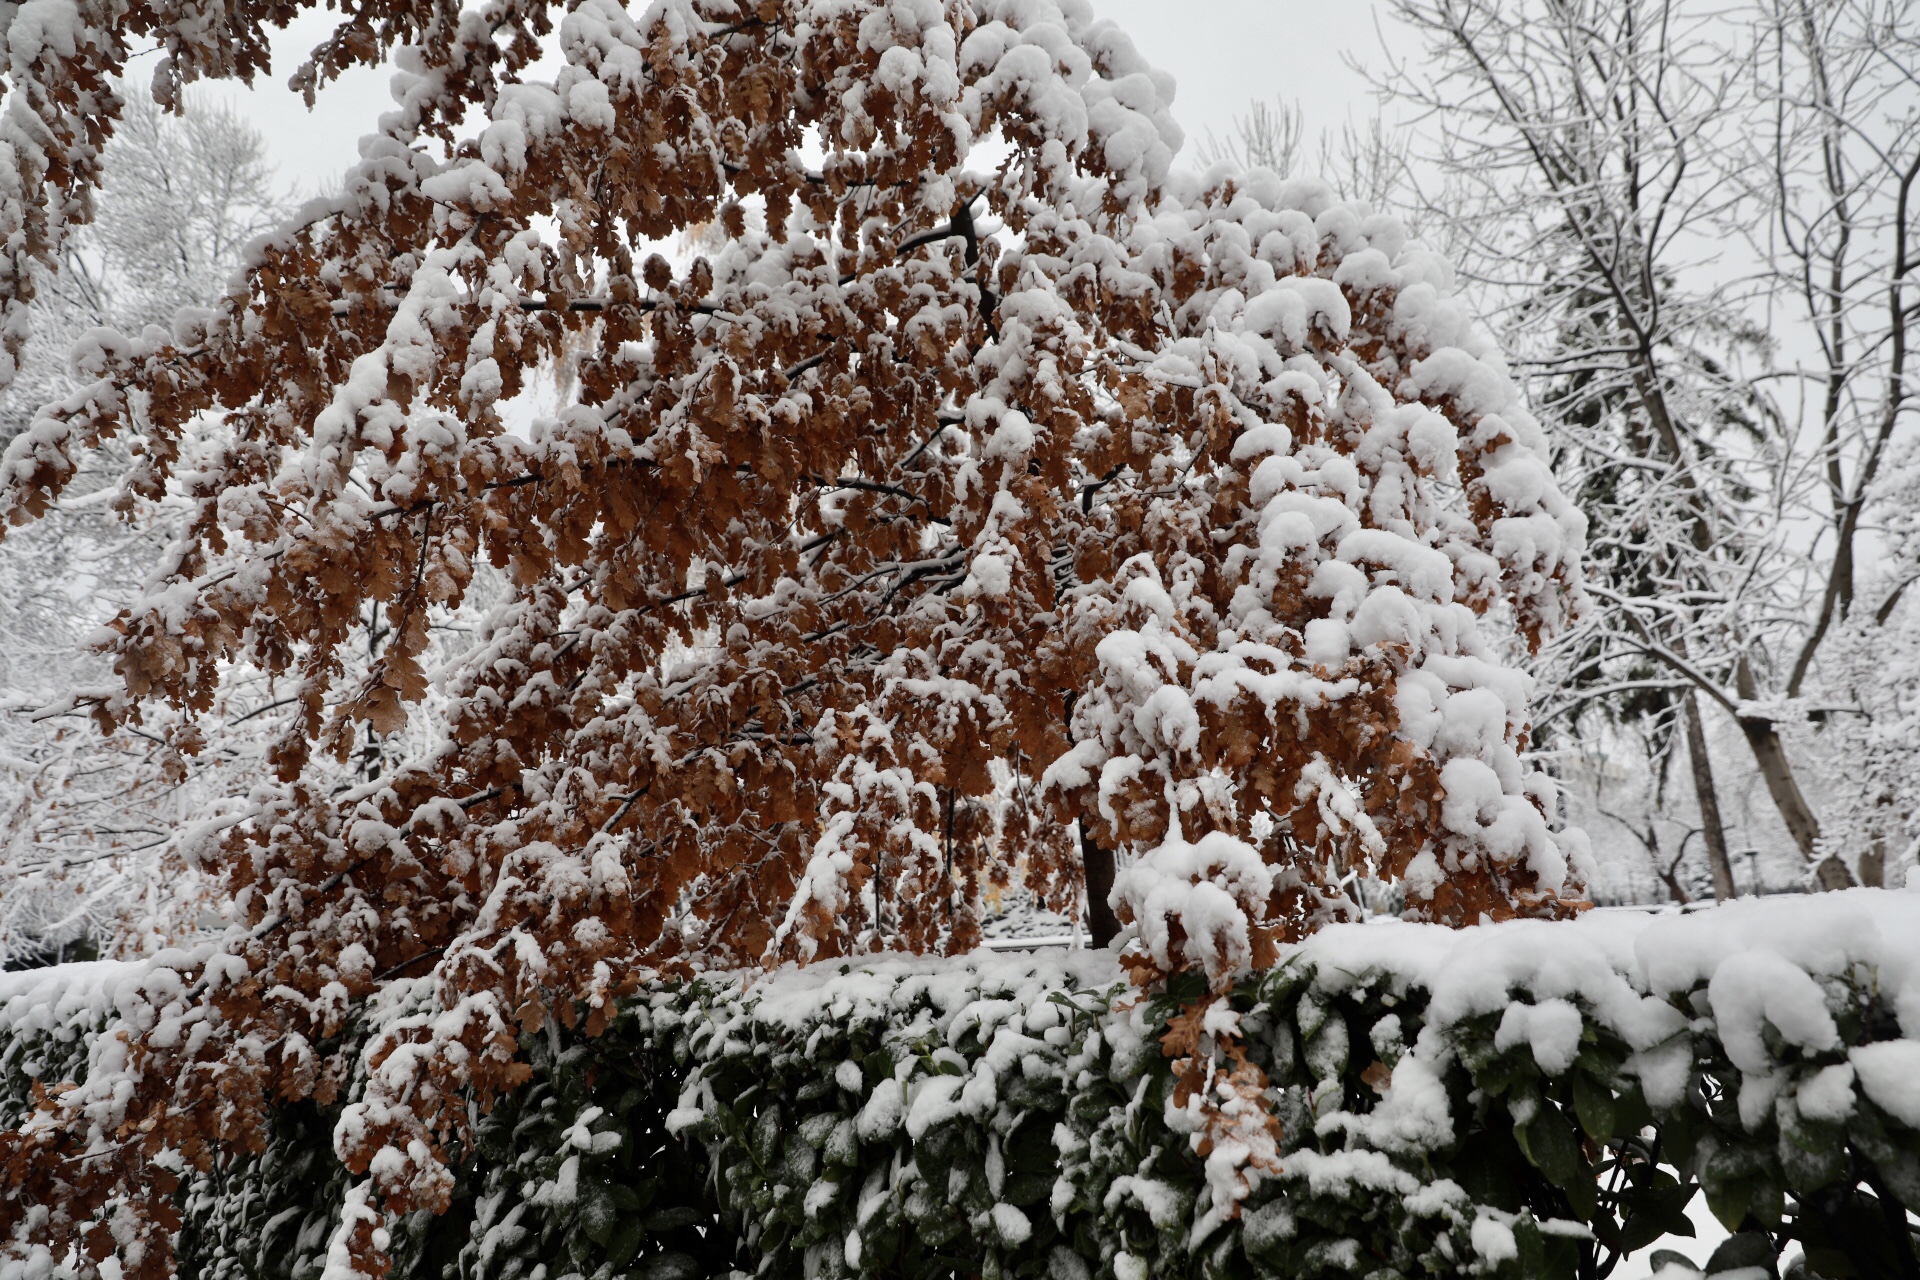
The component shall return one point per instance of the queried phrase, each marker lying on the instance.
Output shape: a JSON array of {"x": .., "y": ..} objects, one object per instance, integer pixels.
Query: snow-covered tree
[
  {"x": 1864, "y": 696},
  {"x": 1695, "y": 220},
  {"x": 982, "y": 456},
  {"x": 90, "y": 826},
  {"x": 1839, "y": 177},
  {"x": 1366, "y": 163}
]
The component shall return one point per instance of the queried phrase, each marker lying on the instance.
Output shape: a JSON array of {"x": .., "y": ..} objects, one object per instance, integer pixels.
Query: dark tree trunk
[
  {"x": 1771, "y": 755},
  {"x": 1097, "y": 865},
  {"x": 1711, "y": 828},
  {"x": 1873, "y": 865}
]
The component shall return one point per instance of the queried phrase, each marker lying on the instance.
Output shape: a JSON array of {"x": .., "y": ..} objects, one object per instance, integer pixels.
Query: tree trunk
[
  {"x": 1771, "y": 755},
  {"x": 1711, "y": 828},
  {"x": 1097, "y": 866},
  {"x": 1670, "y": 873},
  {"x": 1873, "y": 866}
]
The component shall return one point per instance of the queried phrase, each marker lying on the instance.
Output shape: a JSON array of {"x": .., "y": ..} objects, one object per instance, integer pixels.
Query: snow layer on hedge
[
  {"x": 1760, "y": 962},
  {"x": 798, "y": 997},
  {"x": 1750, "y": 965},
  {"x": 1760, "y": 959},
  {"x": 892, "y": 1069},
  {"x": 1680, "y": 991},
  {"x": 55, "y": 998}
]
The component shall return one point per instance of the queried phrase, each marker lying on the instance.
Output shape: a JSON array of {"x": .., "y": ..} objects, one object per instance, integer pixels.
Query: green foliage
[
  {"x": 50, "y": 1055},
  {"x": 1016, "y": 1119},
  {"x": 265, "y": 1217},
  {"x": 576, "y": 1173}
]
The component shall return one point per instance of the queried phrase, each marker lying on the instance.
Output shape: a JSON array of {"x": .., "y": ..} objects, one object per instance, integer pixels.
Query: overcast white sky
[{"x": 1223, "y": 53}]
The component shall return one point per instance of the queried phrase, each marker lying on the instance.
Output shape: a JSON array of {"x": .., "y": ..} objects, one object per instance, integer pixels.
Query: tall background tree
[
  {"x": 1841, "y": 242},
  {"x": 1693, "y": 225}
]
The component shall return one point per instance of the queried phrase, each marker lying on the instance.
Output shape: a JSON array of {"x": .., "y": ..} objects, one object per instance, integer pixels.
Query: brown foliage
[{"x": 868, "y": 555}]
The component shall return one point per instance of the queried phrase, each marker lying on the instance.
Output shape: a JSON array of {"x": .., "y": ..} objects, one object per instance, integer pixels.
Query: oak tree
[{"x": 985, "y": 490}]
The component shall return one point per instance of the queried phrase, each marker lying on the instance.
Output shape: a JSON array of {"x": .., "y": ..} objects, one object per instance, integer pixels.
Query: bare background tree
[
  {"x": 1367, "y": 161},
  {"x": 91, "y": 827},
  {"x": 1694, "y": 227}
]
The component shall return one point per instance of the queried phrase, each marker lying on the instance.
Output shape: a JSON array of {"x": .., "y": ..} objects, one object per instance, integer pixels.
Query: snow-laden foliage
[
  {"x": 91, "y": 826},
  {"x": 1493, "y": 1101},
  {"x": 1502, "y": 1100},
  {"x": 986, "y": 457}
]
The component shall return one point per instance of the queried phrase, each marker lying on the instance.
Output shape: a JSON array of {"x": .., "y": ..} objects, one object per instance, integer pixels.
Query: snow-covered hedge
[
  {"x": 50, "y": 1020},
  {"x": 1488, "y": 1101}
]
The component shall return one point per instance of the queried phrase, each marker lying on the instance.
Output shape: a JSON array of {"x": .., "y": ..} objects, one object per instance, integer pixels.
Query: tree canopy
[{"x": 944, "y": 485}]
